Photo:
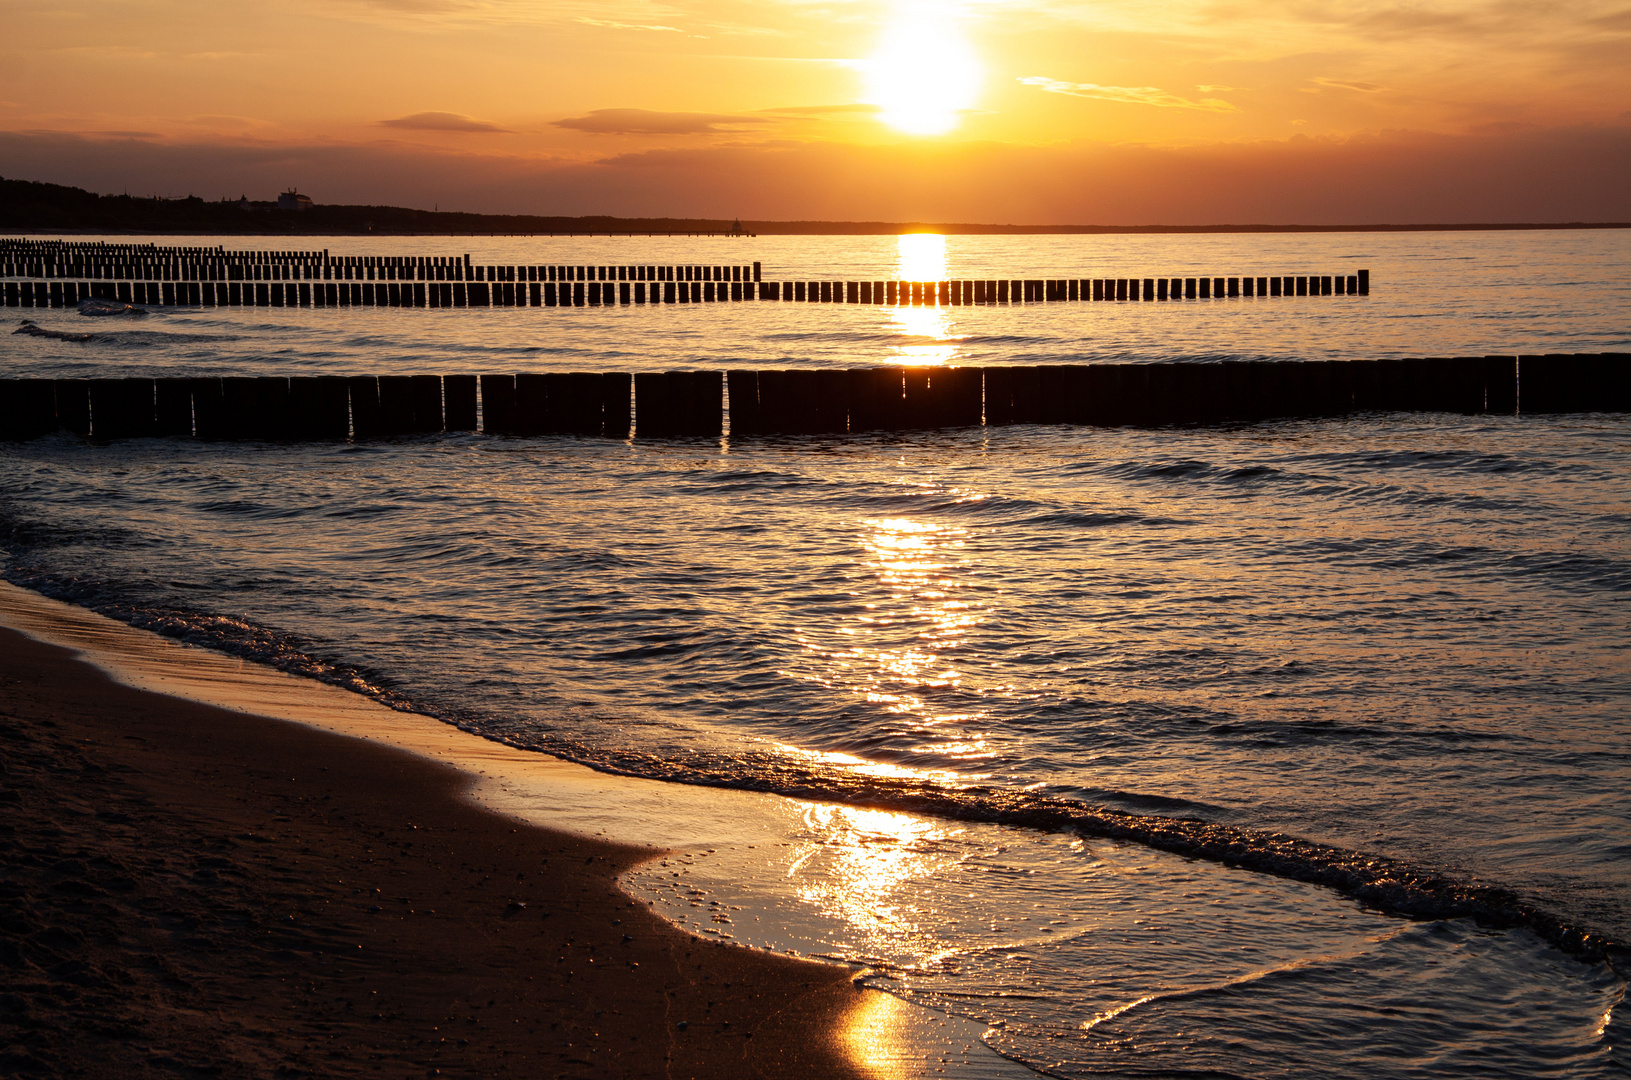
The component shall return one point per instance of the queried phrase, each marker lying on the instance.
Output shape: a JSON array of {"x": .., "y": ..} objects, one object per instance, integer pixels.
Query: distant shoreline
[
  {"x": 636, "y": 228},
  {"x": 36, "y": 209}
]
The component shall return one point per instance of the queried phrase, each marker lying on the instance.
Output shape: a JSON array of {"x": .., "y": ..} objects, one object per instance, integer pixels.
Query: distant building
[{"x": 293, "y": 200}]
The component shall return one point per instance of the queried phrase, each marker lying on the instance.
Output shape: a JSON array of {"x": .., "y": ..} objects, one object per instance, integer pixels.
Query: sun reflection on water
[
  {"x": 899, "y": 654},
  {"x": 854, "y": 865},
  {"x": 922, "y": 257}
]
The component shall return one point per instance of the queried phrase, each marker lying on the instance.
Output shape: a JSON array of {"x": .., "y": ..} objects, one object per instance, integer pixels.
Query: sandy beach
[{"x": 193, "y": 891}]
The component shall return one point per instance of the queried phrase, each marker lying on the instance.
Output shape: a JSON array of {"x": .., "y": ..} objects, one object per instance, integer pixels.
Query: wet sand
[{"x": 195, "y": 891}]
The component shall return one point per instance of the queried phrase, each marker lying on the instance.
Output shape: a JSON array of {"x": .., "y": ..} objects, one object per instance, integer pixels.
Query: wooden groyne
[
  {"x": 746, "y": 403},
  {"x": 58, "y": 274},
  {"x": 516, "y": 286}
]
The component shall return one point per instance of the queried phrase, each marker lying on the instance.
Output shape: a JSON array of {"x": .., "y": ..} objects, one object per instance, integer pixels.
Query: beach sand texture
[{"x": 199, "y": 891}]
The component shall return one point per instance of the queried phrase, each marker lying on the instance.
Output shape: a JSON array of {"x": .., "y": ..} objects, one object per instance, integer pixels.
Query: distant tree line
[{"x": 27, "y": 206}]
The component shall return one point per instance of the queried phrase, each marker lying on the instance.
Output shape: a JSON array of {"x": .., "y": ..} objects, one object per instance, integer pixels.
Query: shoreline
[
  {"x": 848, "y": 228},
  {"x": 199, "y": 887}
]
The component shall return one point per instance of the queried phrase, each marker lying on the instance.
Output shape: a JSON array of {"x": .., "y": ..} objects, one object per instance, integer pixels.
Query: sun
[{"x": 923, "y": 74}]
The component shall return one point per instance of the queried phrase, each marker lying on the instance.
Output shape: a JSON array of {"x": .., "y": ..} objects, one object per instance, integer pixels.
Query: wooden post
[
  {"x": 396, "y": 405},
  {"x": 742, "y": 389},
  {"x": 28, "y": 408},
  {"x": 1102, "y": 400},
  {"x": 73, "y": 398},
  {"x": 498, "y": 408},
  {"x": 875, "y": 398},
  {"x": 459, "y": 392},
  {"x": 123, "y": 408},
  {"x": 999, "y": 396},
  {"x": 1608, "y": 381},
  {"x": 1027, "y": 395},
  {"x": 426, "y": 391},
  {"x": 240, "y": 409},
  {"x": 1055, "y": 394},
  {"x": 366, "y": 420},
  {"x": 318, "y": 407},
  {"x": 174, "y": 400},
  {"x": 616, "y": 390},
  {"x": 208, "y": 408},
  {"x": 531, "y": 404}
]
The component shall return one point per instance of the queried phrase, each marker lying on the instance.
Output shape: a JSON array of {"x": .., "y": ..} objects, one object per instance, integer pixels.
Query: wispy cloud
[
  {"x": 822, "y": 110},
  {"x": 626, "y": 26},
  {"x": 444, "y": 121},
  {"x": 1343, "y": 84},
  {"x": 1131, "y": 95},
  {"x": 648, "y": 122}
]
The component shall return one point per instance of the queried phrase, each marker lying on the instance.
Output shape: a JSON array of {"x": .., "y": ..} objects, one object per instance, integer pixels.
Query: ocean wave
[{"x": 1387, "y": 884}]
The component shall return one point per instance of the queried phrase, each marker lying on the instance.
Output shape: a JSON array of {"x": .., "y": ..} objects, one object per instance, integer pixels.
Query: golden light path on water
[
  {"x": 928, "y": 329},
  {"x": 899, "y": 655},
  {"x": 868, "y": 859}
]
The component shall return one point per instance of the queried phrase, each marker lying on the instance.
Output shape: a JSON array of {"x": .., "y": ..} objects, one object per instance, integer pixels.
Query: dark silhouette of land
[{"x": 27, "y": 206}]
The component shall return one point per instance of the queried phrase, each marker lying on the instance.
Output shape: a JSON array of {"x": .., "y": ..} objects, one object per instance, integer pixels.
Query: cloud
[
  {"x": 443, "y": 121},
  {"x": 1131, "y": 95},
  {"x": 823, "y": 110},
  {"x": 647, "y": 122},
  {"x": 1341, "y": 84},
  {"x": 625, "y": 26},
  {"x": 1573, "y": 173}
]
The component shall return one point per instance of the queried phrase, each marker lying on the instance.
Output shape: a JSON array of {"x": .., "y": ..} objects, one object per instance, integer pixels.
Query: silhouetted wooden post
[
  {"x": 73, "y": 398},
  {"x": 460, "y": 402},
  {"x": 396, "y": 398},
  {"x": 208, "y": 408},
  {"x": 426, "y": 391},
  {"x": 318, "y": 407},
  {"x": 240, "y": 409},
  {"x": 742, "y": 390},
  {"x": 498, "y": 415},
  {"x": 616, "y": 396},
  {"x": 28, "y": 408},
  {"x": 875, "y": 398},
  {"x": 1056, "y": 402},
  {"x": 272, "y": 407},
  {"x": 366, "y": 422},
  {"x": 1608, "y": 378},
  {"x": 174, "y": 400},
  {"x": 652, "y": 414},
  {"x": 531, "y": 404}
]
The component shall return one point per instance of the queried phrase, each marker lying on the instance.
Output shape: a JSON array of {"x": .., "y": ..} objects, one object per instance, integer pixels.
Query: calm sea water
[{"x": 1403, "y": 637}]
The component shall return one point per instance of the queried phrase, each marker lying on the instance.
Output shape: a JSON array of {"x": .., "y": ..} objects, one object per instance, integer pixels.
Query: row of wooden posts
[
  {"x": 675, "y": 404},
  {"x": 354, "y": 269},
  {"x": 460, "y": 294},
  {"x": 149, "y": 263}
]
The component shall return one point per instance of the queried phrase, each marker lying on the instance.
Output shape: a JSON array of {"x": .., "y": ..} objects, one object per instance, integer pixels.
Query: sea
[{"x": 1246, "y": 750}]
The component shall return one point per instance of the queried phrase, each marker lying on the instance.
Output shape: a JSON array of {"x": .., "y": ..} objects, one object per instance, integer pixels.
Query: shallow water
[{"x": 1399, "y": 636}]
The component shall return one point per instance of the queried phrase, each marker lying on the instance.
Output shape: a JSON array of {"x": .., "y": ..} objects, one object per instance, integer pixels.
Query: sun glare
[
  {"x": 923, "y": 74},
  {"x": 925, "y": 330}
]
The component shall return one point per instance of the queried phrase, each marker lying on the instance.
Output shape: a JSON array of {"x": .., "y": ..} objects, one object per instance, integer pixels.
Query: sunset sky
[{"x": 1029, "y": 111}]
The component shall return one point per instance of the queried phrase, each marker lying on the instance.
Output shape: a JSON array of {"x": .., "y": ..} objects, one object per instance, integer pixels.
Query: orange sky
[{"x": 1020, "y": 111}]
